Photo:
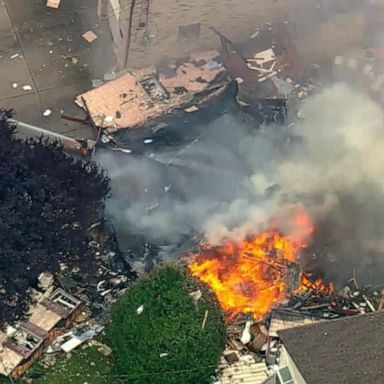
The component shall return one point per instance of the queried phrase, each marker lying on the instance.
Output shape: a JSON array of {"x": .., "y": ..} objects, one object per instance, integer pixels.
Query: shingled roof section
[{"x": 343, "y": 351}]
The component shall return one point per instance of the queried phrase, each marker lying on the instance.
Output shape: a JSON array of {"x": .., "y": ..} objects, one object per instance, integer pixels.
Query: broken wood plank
[
  {"x": 371, "y": 307},
  {"x": 204, "y": 320},
  {"x": 381, "y": 304},
  {"x": 315, "y": 306}
]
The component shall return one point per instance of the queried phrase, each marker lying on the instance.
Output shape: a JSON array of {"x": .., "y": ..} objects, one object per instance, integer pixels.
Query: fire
[{"x": 253, "y": 276}]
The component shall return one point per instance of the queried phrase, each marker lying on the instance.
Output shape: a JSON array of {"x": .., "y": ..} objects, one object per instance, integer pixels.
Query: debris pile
[
  {"x": 137, "y": 97},
  {"x": 110, "y": 280},
  {"x": 347, "y": 301},
  {"x": 254, "y": 345},
  {"x": 50, "y": 313}
]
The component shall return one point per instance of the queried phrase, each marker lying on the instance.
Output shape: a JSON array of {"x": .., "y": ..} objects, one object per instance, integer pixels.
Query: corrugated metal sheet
[{"x": 246, "y": 372}]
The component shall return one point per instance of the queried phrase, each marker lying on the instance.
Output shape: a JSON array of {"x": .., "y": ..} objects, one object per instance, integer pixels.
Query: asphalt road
[{"x": 43, "y": 48}]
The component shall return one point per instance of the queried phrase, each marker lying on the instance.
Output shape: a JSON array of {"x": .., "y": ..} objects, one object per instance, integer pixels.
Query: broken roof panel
[
  {"x": 8, "y": 358},
  {"x": 125, "y": 103},
  {"x": 285, "y": 320},
  {"x": 342, "y": 351},
  {"x": 264, "y": 57},
  {"x": 25, "y": 339},
  {"x": 246, "y": 372},
  {"x": 44, "y": 317}
]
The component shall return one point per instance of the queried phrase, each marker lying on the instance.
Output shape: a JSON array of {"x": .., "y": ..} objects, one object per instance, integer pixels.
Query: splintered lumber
[
  {"x": 315, "y": 306},
  {"x": 371, "y": 307},
  {"x": 204, "y": 320},
  {"x": 381, "y": 304}
]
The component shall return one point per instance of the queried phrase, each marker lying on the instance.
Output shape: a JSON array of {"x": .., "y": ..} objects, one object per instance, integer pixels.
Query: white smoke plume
[{"x": 234, "y": 179}]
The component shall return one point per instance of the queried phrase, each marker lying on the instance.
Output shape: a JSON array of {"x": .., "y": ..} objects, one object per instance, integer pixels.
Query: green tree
[
  {"x": 166, "y": 343},
  {"x": 47, "y": 201}
]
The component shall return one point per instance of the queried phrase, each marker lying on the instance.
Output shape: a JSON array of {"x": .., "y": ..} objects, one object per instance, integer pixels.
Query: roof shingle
[{"x": 343, "y": 351}]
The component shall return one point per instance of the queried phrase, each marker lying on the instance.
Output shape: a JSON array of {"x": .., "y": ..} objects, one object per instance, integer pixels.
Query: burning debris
[
  {"x": 258, "y": 273},
  {"x": 257, "y": 345}
]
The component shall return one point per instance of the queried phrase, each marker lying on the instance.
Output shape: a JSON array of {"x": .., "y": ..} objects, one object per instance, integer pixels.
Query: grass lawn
[{"x": 84, "y": 366}]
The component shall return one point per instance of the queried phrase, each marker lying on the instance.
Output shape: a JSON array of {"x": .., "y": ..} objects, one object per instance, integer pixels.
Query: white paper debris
[
  {"x": 140, "y": 310},
  {"x": 104, "y": 139},
  {"x": 239, "y": 80},
  {"x": 193, "y": 108},
  {"x": 110, "y": 76},
  {"x": 196, "y": 295},
  {"x": 148, "y": 141},
  {"x": 27, "y": 88},
  {"x": 89, "y": 36},
  {"x": 14, "y": 56},
  {"x": 246, "y": 335},
  {"x": 15, "y": 85},
  {"x": 256, "y": 34},
  {"x": 96, "y": 83},
  {"x": 108, "y": 119},
  {"x": 53, "y": 4},
  {"x": 124, "y": 150},
  {"x": 47, "y": 112},
  {"x": 164, "y": 354}
]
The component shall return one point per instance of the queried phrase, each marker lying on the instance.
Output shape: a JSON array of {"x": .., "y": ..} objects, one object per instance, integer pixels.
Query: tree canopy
[
  {"x": 47, "y": 201},
  {"x": 157, "y": 330}
]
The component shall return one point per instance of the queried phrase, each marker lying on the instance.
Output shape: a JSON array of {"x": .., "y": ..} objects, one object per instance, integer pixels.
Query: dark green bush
[{"x": 171, "y": 323}]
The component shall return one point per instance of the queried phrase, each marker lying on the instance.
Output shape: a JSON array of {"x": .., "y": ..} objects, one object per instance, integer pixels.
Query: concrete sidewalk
[{"x": 43, "y": 48}]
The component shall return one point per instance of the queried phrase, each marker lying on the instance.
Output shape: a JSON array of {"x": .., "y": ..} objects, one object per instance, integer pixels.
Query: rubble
[
  {"x": 47, "y": 112},
  {"x": 258, "y": 341},
  {"x": 45, "y": 280},
  {"x": 22, "y": 345},
  {"x": 77, "y": 336},
  {"x": 244, "y": 371},
  {"x": 90, "y": 36},
  {"x": 96, "y": 83},
  {"x": 192, "y": 108},
  {"x": 109, "y": 76},
  {"x": 101, "y": 348},
  {"x": 145, "y": 94},
  {"x": 53, "y": 4}
]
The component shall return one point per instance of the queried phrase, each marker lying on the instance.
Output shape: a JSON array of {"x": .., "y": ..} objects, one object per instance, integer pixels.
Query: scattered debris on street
[
  {"x": 90, "y": 36},
  {"x": 53, "y": 4}
]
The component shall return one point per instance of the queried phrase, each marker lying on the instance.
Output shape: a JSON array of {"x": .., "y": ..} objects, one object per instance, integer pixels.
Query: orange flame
[{"x": 250, "y": 276}]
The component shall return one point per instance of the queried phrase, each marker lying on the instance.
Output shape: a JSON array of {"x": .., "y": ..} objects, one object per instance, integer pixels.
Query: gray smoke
[{"x": 233, "y": 180}]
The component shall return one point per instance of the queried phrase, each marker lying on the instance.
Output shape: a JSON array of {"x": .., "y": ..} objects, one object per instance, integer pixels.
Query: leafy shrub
[{"x": 166, "y": 343}]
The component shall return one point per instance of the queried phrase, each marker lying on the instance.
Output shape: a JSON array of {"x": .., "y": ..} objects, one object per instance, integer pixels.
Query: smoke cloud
[
  {"x": 232, "y": 180},
  {"x": 337, "y": 175}
]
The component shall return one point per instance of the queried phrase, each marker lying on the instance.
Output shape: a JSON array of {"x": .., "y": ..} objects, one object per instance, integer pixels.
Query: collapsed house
[
  {"x": 266, "y": 69},
  {"x": 140, "y": 96},
  {"x": 23, "y": 344},
  {"x": 67, "y": 308}
]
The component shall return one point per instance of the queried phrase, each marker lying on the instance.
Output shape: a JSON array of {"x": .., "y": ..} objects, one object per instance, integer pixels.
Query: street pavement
[{"x": 43, "y": 48}]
